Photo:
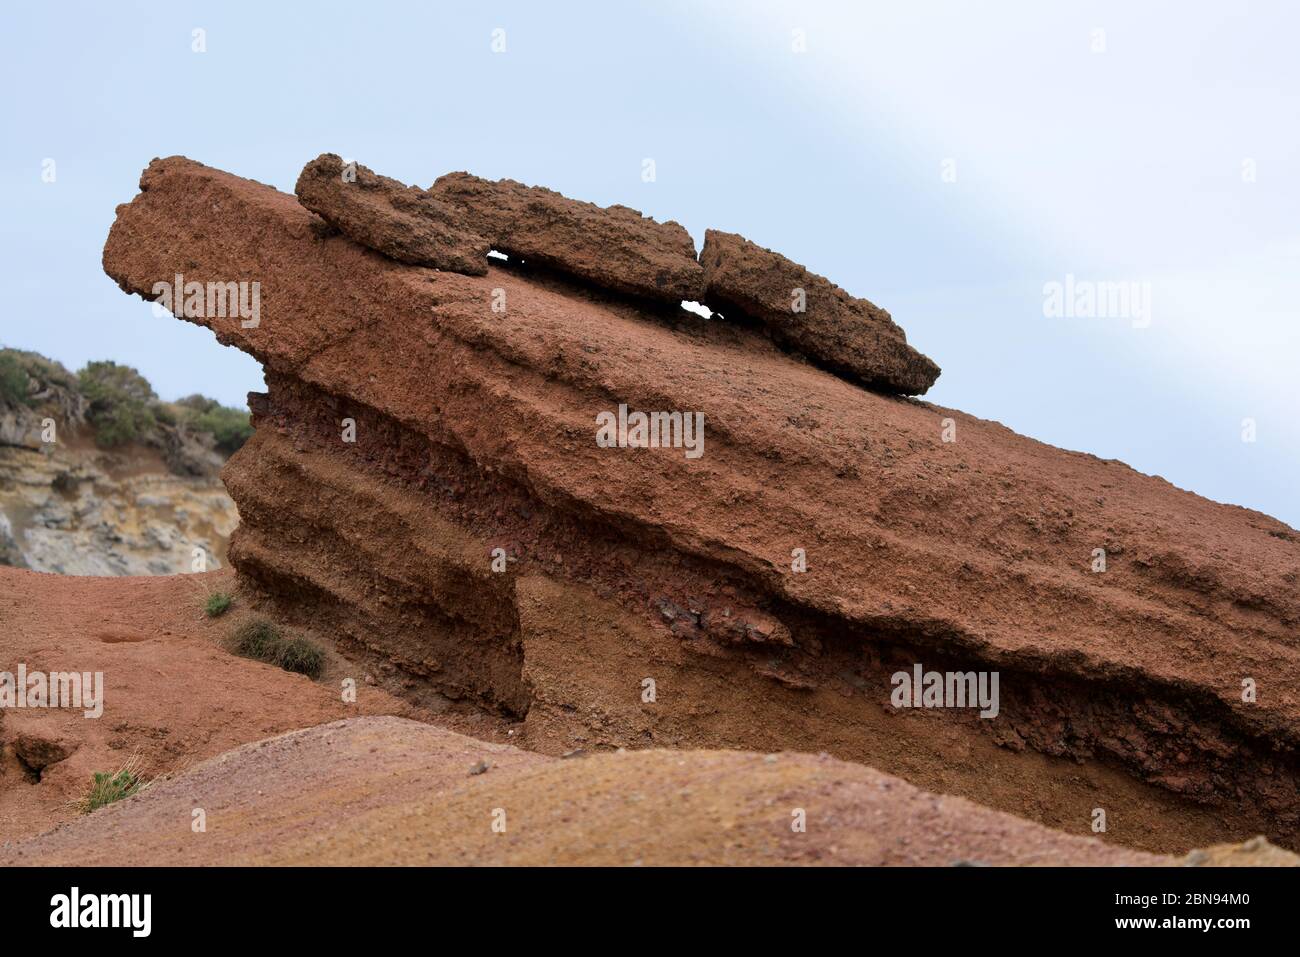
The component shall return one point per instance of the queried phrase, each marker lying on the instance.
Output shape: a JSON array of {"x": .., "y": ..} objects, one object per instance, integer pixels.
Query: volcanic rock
[
  {"x": 847, "y": 531},
  {"x": 806, "y": 312},
  {"x": 614, "y": 247},
  {"x": 388, "y": 791},
  {"x": 400, "y": 221}
]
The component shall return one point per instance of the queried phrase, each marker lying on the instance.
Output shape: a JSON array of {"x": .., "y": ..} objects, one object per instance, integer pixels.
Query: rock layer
[
  {"x": 474, "y": 532},
  {"x": 804, "y": 311},
  {"x": 400, "y": 221},
  {"x": 614, "y": 247}
]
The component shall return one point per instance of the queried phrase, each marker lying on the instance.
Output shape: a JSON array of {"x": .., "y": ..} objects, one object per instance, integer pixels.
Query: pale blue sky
[{"x": 1117, "y": 164}]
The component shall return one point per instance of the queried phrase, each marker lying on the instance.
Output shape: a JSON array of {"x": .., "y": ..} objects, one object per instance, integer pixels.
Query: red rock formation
[
  {"x": 852, "y": 337},
  {"x": 615, "y": 248},
  {"x": 400, "y": 221},
  {"x": 930, "y": 537}
]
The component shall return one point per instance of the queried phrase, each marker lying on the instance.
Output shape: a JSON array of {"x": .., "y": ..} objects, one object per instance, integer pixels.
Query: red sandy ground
[
  {"x": 173, "y": 695},
  {"x": 393, "y": 791}
]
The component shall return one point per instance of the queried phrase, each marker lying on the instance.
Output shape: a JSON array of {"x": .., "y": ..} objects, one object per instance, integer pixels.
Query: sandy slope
[
  {"x": 387, "y": 790},
  {"x": 173, "y": 696}
]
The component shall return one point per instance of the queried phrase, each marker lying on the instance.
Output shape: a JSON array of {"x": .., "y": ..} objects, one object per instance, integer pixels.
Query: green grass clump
[
  {"x": 261, "y": 640},
  {"x": 110, "y": 786},
  {"x": 257, "y": 639},
  {"x": 302, "y": 656},
  {"x": 217, "y": 604}
]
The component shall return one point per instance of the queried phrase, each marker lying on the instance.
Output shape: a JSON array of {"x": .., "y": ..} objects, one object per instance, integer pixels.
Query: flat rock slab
[
  {"x": 852, "y": 337},
  {"x": 402, "y": 222},
  {"x": 614, "y": 247}
]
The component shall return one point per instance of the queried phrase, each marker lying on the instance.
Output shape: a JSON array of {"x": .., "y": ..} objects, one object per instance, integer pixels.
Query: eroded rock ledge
[
  {"x": 400, "y": 221},
  {"x": 474, "y": 432}
]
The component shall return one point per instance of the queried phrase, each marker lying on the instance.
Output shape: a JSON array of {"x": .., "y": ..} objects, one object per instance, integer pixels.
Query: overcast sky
[{"x": 946, "y": 160}]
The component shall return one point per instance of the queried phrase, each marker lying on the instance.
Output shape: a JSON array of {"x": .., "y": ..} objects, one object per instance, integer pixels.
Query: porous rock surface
[
  {"x": 613, "y": 247},
  {"x": 400, "y": 221},
  {"x": 853, "y": 337},
  {"x": 476, "y": 535}
]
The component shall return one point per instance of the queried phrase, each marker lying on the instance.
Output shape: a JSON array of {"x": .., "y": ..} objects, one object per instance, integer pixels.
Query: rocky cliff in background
[
  {"x": 98, "y": 477},
  {"x": 426, "y": 484}
]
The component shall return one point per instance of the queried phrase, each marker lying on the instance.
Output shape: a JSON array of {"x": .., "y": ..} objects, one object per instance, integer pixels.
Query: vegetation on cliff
[
  {"x": 118, "y": 403},
  {"x": 13, "y": 380}
]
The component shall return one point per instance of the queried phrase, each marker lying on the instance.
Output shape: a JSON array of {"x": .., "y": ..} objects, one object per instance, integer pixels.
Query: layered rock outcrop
[
  {"x": 613, "y": 248},
  {"x": 400, "y": 221},
  {"x": 76, "y": 510},
  {"x": 852, "y": 337},
  {"x": 428, "y": 483}
]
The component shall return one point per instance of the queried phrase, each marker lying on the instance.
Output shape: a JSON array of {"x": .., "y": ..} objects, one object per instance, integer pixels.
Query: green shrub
[
  {"x": 111, "y": 786},
  {"x": 261, "y": 640},
  {"x": 120, "y": 424},
  {"x": 217, "y": 604},
  {"x": 165, "y": 413},
  {"x": 230, "y": 427},
  {"x": 258, "y": 639},
  {"x": 13, "y": 380},
  {"x": 43, "y": 370},
  {"x": 198, "y": 403},
  {"x": 120, "y": 401}
]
